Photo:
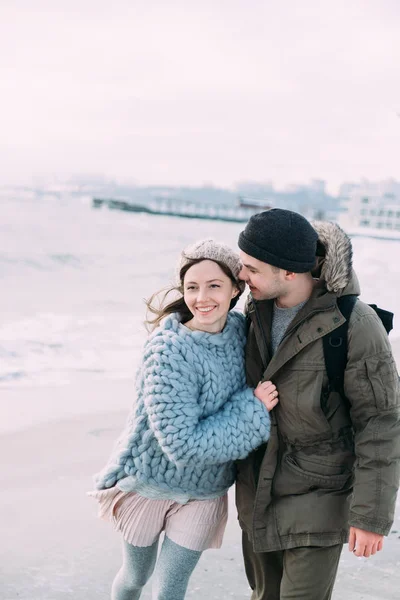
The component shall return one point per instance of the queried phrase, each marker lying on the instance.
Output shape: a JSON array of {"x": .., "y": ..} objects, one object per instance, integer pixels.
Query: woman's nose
[{"x": 202, "y": 294}]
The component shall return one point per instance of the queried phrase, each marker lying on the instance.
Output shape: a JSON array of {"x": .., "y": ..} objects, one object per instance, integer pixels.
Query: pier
[{"x": 174, "y": 207}]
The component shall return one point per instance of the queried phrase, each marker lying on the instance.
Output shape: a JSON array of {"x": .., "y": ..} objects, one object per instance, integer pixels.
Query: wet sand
[{"x": 53, "y": 546}]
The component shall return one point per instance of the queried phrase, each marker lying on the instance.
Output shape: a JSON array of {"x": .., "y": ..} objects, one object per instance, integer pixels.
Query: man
[{"x": 330, "y": 471}]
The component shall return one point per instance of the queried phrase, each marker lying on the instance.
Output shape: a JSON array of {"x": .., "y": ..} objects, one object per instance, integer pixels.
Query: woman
[{"x": 193, "y": 416}]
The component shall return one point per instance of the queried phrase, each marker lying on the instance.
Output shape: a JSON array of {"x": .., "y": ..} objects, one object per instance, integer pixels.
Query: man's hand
[{"x": 364, "y": 543}]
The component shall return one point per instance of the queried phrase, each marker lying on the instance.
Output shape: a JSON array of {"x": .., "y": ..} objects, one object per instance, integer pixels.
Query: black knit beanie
[{"x": 281, "y": 238}]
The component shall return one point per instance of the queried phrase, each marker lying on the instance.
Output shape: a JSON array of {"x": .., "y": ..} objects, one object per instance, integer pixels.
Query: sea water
[{"x": 73, "y": 283}]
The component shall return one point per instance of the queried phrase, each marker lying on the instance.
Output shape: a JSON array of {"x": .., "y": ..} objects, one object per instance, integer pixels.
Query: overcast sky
[{"x": 205, "y": 91}]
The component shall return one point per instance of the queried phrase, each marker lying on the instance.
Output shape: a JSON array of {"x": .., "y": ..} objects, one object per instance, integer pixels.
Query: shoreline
[
  {"x": 28, "y": 407},
  {"x": 53, "y": 439},
  {"x": 22, "y": 408}
]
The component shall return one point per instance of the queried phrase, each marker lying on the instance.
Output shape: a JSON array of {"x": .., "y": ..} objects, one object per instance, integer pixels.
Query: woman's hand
[{"x": 268, "y": 394}]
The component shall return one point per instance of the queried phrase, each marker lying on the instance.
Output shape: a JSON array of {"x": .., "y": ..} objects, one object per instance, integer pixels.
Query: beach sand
[{"x": 52, "y": 544}]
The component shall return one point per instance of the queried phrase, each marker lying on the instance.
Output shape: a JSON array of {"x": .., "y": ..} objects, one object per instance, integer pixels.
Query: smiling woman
[
  {"x": 208, "y": 292},
  {"x": 193, "y": 416},
  {"x": 207, "y": 282}
]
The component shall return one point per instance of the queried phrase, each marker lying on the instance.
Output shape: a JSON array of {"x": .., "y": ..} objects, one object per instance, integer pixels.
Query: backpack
[{"x": 335, "y": 342}]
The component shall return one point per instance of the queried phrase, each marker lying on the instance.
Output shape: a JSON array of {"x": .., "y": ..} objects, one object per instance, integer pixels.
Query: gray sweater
[{"x": 281, "y": 319}]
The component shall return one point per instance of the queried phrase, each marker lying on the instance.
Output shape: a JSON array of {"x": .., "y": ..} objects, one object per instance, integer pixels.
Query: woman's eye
[{"x": 215, "y": 285}]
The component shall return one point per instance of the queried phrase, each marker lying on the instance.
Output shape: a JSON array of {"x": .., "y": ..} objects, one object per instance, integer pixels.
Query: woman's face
[{"x": 208, "y": 292}]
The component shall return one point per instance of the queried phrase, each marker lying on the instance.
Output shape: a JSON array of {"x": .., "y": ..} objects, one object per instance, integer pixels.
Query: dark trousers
[{"x": 297, "y": 574}]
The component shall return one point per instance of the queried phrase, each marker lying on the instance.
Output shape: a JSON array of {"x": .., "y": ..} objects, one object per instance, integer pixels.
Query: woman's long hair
[{"x": 178, "y": 305}]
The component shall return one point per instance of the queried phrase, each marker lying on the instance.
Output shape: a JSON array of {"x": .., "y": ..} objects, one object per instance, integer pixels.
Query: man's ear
[{"x": 289, "y": 275}]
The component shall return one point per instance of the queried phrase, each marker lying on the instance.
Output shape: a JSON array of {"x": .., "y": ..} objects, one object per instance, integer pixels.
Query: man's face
[{"x": 265, "y": 282}]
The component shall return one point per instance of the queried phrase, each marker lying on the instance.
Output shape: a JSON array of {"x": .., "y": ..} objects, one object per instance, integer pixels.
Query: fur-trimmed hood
[{"x": 335, "y": 259}]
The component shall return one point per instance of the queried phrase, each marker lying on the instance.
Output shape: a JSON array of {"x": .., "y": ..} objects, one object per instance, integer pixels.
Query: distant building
[
  {"x": 371, "y": 205},
  {"x": 311, "y": 200}
]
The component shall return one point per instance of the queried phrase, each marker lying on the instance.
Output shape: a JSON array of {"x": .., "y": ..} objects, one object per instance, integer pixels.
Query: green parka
[{"x": 330, "y": 463}]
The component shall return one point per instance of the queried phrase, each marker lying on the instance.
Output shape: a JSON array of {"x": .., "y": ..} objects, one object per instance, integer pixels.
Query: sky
[{"x": 189, "y": 92}]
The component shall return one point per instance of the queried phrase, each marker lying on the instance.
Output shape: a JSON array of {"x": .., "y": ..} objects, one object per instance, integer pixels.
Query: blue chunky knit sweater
[{"x": 192, "y": 417}]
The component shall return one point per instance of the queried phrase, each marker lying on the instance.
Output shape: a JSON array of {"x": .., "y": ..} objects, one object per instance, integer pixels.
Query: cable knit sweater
[{"x": 192, "y": 417}]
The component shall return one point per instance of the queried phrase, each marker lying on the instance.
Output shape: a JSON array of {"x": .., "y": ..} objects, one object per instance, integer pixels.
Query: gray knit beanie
[
  {"x": 212, "y": 250},
  {"x": 282, "y": 238}
]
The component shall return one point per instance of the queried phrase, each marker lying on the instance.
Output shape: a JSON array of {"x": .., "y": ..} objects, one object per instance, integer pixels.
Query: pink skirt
[{"x": 197, "y": 525}]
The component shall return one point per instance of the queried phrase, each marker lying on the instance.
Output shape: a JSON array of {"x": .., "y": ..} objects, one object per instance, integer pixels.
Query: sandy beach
[{"x": 54, "y": 547}]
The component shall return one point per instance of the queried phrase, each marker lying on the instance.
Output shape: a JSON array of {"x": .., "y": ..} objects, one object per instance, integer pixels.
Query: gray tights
[{"x": 175, "y": 565}]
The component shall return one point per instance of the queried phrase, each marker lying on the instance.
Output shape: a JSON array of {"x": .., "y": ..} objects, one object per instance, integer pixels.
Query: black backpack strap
[
  {"x": 335, "y": 343},
  {"x": 385, "y": 316},
  {"x": 335, "y": 346}
]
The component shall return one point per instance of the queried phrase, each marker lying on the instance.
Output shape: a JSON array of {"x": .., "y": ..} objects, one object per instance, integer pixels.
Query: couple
[{"x": 316, "y": 472}]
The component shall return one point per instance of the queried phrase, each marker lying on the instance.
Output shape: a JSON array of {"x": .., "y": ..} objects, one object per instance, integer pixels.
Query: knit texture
[
  {"x": 192, "y": 417},
  {"x": 174, "y": 567},
  {"x": 282, "y": 238}
]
